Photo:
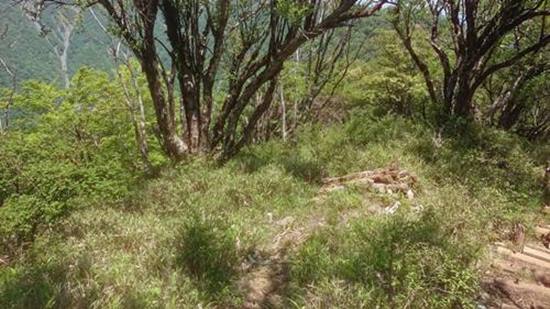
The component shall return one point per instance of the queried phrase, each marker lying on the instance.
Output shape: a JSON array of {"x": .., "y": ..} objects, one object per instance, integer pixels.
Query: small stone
[
  {"x": 410, "y": 194},
  {"x": 393, "y": 209},
  {"x": 418, "y": 208},
  {"x": 379, "y": 187}
]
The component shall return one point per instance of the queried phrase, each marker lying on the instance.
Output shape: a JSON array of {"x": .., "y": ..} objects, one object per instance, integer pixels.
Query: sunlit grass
[{"x": 180, "y": 240}]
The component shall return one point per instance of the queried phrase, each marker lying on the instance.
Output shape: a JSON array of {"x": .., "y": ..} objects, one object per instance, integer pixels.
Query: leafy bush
[
  {"x": 480, "y": 157},
  {"x": 65, "y": 148}
]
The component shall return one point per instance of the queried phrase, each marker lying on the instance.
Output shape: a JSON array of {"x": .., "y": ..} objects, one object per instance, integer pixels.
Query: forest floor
[{"x": 356, "y": 216}]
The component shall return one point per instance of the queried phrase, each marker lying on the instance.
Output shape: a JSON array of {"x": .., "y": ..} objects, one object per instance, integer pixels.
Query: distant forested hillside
[{"x": 32, "y": 58}]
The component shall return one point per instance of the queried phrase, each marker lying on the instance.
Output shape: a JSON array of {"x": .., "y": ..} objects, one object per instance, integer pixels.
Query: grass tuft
[{"x": 207, "y": 253}]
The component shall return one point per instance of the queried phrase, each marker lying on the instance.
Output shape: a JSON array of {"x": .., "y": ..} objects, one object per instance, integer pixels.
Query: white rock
[
  {"x": 393, "y": 209},
  {"x": 379, "y": 187},
  {"x": 410, "y": 194}
]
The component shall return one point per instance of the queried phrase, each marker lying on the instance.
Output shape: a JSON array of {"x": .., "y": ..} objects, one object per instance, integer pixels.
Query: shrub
[{"x": 65, "y": 148}]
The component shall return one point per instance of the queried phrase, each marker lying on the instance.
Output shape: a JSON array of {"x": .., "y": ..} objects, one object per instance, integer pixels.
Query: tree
[
  {"x": 507, "y": 108},
  {"x": 130, "y": 83},
  {"x": 397, "y": 86},
  {"x": 308, "y": 82},
  {"x": 247, "y": 41},
  {"x": 465, "y": 35},
  {"x": 524, "y": 103},
  {"x": 328, "y": 60}
]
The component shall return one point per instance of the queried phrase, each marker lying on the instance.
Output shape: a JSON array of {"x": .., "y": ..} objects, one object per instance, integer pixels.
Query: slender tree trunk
[
  {"x": 64, "y": 69},
  {"x": 60, "y": 40},
  {"x": 4, "y": 124},
  {"x": 141, "y": 136},
  {"x": 546, "y": 184},
  {"x": 510, "y": 116},
  {"x": 505, "y": 102},
  {"x": 173, "y": 145},
  {"x": 134, "y": 101},
  {"x": 191, "y": 112},
  {"x": 137, "y": 114},
  {"x": 283, "y": 112},
  {"x": 231, "y": 148}
]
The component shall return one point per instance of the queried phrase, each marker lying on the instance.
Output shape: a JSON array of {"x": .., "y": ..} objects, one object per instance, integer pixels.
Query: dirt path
[
  {"x": 267, "y": 272},
  {"x": 519, "y": 277}
]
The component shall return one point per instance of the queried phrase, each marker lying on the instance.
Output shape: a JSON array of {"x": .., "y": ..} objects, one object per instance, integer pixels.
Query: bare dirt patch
[
  {"x": 519, "y": 275},
  {"x": 267, "y": 270}
]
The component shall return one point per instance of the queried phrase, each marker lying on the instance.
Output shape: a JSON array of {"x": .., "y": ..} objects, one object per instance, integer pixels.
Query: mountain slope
[{"x": 32, "y": 58}]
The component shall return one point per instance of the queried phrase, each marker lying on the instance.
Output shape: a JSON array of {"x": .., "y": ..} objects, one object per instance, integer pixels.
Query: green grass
[
  {"x": 179, "y": 240},
  {"x": 390, "y": 261}
]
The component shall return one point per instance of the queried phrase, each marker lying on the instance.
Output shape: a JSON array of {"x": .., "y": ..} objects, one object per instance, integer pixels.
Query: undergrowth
[{"x": 180, "y": 240}]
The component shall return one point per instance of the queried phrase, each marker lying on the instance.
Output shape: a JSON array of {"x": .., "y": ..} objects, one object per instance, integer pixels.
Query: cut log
[
  {"x": 541, "y": 231},
  {"x": 522, "y": 279},
  {"x": 539, "y": 247},
  {"x": 526, "y": 295},
  {"x": 523, "y": 258},
  {"x": 541, "y": 255},
  {"x": 512, "y": 268}
]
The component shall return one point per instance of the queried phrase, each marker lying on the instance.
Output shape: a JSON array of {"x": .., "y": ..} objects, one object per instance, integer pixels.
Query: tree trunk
[
  {"x": 230, "y": 147},
  {"x": 510, "y": 116},
  {"x": 462, "y": 100},
  {"x": 137, "y": 115},
  {"x": 141, "y": 136},
  {"x": 4, "y": 125},
  {"x": 172, "y": 144},
  {"x": 283, "y": 112},
  {"x": 546, "y": 184},
  {"x": 510, "y": 110},
  {"x": 191, "y": 112}
]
